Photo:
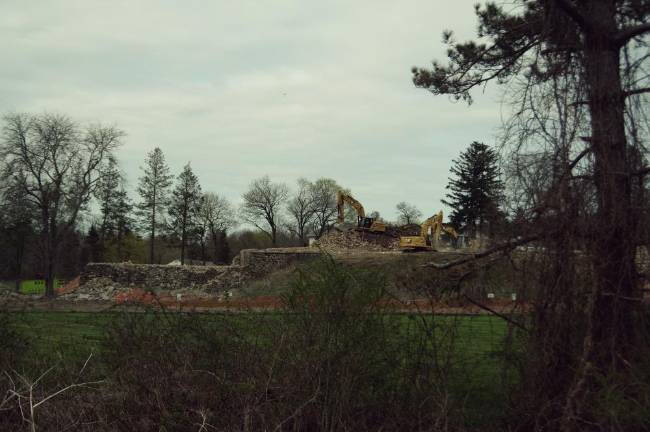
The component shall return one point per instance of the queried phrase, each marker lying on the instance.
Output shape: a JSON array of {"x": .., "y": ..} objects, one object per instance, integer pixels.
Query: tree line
[{"x": 65, "y": 202}]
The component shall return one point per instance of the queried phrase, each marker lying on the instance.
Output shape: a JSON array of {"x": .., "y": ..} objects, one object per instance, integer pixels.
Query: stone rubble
[{"x": 337, "y": 241}]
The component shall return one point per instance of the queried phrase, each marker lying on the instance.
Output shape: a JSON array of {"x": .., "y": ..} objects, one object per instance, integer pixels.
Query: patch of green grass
[
  {"x": 476, "y": 338},
  {"x": 36, "y": 286},
  {"x": 470, "y": 344},
  {"x": 54, "y": 337}
]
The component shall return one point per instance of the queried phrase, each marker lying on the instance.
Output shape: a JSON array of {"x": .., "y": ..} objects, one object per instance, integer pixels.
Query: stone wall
[
  {"x": 251, "y": 264},
  {"x": 260, "y": 262},
  {"x": 165, "y": 277}
]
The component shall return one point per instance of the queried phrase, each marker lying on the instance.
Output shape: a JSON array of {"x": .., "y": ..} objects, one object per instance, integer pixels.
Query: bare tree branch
[
  {"x": 507, "y": 246},
  {"x": 628, "y": 33},
  {"x": 493, "y": 312},
  {"x": 636, "y": 91},
  {"x": 572, "y": 11}
]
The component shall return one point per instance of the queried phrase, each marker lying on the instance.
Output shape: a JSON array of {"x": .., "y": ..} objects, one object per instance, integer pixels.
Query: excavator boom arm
[
  {"x": 433, "y": 222},
  {"x": 341, "y": 199}
]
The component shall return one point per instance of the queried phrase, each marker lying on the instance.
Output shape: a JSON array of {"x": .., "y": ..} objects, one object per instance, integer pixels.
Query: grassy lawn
[{"x": 476, "y": 336}]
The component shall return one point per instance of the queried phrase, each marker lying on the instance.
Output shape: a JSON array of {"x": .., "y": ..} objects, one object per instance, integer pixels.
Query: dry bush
[{"x": 334, "y": 359}]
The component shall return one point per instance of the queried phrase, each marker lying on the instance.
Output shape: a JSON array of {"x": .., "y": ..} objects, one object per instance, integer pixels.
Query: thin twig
[
  {"x": 493, "y": 312},
  {"x": 509, "y": 245}
]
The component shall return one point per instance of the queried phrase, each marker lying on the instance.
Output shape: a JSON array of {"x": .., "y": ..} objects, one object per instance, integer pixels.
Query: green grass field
[
  {"x": 475, "y": 364},
  {"x": 476, "y": 335}
]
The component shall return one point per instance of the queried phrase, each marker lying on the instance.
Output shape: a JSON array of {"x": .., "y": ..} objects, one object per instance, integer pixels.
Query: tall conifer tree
[
  {"x": 185, "y": 206},
  {"x": 153, "y": 189},
  {"x": 475, "y": 188}
]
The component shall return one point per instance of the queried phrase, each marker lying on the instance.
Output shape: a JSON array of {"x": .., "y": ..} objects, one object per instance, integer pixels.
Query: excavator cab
[
  {"x": 429, "y": 235},
  {"x": 372, "y": 225},
  {"x": 366, "y": 222}
]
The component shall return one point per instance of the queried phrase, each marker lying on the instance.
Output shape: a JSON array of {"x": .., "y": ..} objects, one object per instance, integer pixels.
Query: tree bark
[
  {"x": 153, "y": 227},
  {"x": 19, "y": 264},
  {"x": 183, "y": 234},
  {"x": 613, "y": 245},
  {"x": 215, "y": 258},
  {"x": 48, "y": 253}
]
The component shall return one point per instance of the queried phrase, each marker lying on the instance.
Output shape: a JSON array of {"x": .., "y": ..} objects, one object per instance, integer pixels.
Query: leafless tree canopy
[
  {"x": 301, "y": 209},
  {"x": 263, "y": 204},
  {"x": 216, "y": 216},
  {"x": 58, "y": 165},
  {"x": 323, "y": 196},
  {"x": 408, "y": 213}
]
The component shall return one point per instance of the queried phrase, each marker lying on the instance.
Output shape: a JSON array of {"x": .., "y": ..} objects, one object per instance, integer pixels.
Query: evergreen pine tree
[
  {"x": 122, "y": 220},
  {"x": 475, "y": 188},
  {"x": 115, "y": 208},
  {"x": 106, "y": 195},
  {"x": 185, "y": 206},
  {"x": 153, "y": 191},
  {"x": 94, "y": 245}
]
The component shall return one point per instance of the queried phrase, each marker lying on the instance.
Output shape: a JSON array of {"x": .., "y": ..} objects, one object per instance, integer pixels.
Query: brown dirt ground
[{"x": 137, "y": 298}]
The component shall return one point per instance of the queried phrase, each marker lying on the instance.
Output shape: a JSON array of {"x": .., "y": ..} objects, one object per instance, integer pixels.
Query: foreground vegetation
[{"x": 334, "y": 359}]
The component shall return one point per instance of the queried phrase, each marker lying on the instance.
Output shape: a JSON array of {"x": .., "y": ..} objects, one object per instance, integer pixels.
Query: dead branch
[
  {"x": 493, "y": 312},
  {"x": 507, "y": 246},
  {"x": 624, "y": 35},
  {"x": 25, "y": 394},
  {"x": 636, "y": 91}
]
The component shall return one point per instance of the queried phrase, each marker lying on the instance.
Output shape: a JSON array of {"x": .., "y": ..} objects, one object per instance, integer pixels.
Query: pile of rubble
[
  {"x": 105, "y": 289},
  {"x": 101, "y": 289},
  {"x": 336, "y": 241}
]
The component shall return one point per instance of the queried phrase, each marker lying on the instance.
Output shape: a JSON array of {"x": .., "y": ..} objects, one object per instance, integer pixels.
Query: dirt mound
[
  {"x": 404, "y": 230},
  {"x": 359, "y": 240},
  {"x": 69, "y": 287}
]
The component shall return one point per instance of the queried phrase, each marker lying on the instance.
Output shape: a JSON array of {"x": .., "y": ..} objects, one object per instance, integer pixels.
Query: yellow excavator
[
  {"x": 363, "y": 223},
  {"x": 429, "y": 235}
]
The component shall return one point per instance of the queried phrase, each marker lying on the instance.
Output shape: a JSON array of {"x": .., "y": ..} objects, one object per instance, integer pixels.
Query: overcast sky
[{"x": 246, "y": 88}]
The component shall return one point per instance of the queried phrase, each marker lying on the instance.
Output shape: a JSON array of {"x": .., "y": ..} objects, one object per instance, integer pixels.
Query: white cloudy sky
[{"x": 246, "y": 88}]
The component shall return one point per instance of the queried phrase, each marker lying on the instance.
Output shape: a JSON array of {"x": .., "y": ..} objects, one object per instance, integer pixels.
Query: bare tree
[
  {"x": 262, "y": 205},
  {"x": 57, "y": 165},
  {"x": 217, "y": 216},
  {"x": 408, "y": 213},
  {"x": 16, "y": 224},
  {"x": 323, "y": 196},
  {"x": 301, "y": 209}
]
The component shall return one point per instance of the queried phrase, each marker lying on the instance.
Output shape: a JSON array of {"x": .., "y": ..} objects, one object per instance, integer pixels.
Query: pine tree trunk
[
  {"x": 151, "y": 241},
  {"x": 613, "y": 246},
  {"x": 119, "y": 245},
  {"x": 183, "y": 245},
  {"x": 153, "y": 227}
]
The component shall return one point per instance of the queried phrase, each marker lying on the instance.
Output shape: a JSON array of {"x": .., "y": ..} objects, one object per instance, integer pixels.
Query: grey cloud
[{"x": 242, "y": 89}]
